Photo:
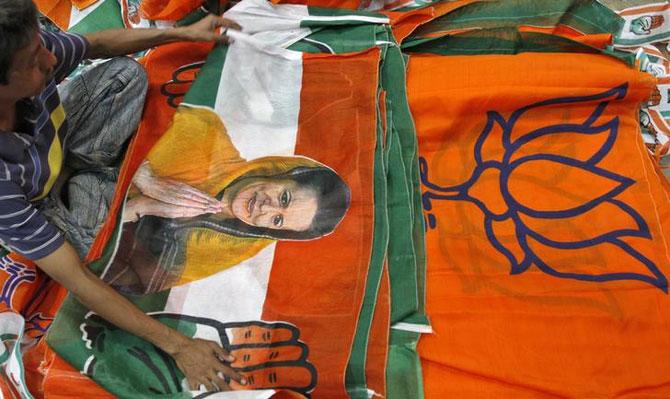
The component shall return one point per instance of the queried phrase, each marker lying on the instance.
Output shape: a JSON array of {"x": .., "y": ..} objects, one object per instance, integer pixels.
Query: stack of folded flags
[{"x": 507, "y": 227}]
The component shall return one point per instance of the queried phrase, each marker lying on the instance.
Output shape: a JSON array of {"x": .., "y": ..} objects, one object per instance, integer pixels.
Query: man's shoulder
[{"x": 67, "y": 39}]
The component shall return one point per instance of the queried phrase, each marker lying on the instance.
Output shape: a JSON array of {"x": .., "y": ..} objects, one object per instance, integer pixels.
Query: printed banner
[
  {"x": 548, "y": 226},
  {"x": 262, "y": 129},
  {"x": 644, "y": 24}
]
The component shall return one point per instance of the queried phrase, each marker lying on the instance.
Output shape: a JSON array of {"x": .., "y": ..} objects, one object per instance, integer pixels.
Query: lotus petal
[
  {"x": 551, "y": 186},
  {"x": 503, "y": 237},
  {"x": 489, "y": 146},
  {"x": 613, "y": 260},
  {"x": 610, "y": 220},
  {"x": 584, "y": 143},
  {"x": 485, "y": 192},
  {"x": 559, "y": 113}
]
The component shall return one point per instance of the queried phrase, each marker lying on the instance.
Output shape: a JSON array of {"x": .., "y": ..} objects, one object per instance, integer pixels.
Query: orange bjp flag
[
  {"x": 547, "y": 228},
  {"x": 172, "y": 10}
]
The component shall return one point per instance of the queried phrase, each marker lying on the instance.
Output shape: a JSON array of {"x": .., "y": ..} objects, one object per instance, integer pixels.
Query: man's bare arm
[
  {"x": 118, "y": 42},
  {"x": 198, "y": 359}
]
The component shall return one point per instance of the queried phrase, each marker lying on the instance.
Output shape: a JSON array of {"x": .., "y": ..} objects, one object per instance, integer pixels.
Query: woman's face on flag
[{"x": 279, "y": 204}]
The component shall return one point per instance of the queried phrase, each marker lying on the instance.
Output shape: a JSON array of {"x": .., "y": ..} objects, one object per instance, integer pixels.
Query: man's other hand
[
  {"x": 202, "y": 362},
  {"x": 209, "y": 29}
]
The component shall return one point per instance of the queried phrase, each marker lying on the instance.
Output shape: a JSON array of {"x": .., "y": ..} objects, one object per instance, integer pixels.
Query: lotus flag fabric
[
  {"x": 491, "y": 164},
  {"x": 547, "y": 227}
]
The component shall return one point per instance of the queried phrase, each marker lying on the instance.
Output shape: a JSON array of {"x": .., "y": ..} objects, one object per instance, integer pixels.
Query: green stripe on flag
[
  {"x": 505, "y": 41},
  {"x": 205, "y": 88},
  {"x": 106, "y": 16},
  {"x": 404, "y": 377},
  {"x": 587, "y": 16},
  {"x": 335, "y": 40},
  {"x": 355, "y": 380},
  {"x": 406, "y": 251},
  {"x": 353, "y": 16}
]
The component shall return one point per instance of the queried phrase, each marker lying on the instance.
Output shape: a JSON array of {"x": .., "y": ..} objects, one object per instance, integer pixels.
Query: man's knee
[{"x": 130, "y": 72}]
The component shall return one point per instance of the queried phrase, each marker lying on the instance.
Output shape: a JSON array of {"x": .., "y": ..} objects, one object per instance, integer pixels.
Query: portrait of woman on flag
[{"x": 196, "y": 207}]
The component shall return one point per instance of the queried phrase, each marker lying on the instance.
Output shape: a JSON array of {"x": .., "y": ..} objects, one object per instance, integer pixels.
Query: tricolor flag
[{"x": 306, "y": 110}]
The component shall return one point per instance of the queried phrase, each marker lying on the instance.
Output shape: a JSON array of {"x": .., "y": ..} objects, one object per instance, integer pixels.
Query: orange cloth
[
  {"x": 505, "y": 328},
  {"x": 58, "y": 11},
  {"x": 172, "y": 10}
]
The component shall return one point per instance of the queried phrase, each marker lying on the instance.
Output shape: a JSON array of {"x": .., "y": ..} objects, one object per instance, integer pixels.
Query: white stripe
[
  {"x": 418, "y": 328},
  {"x": 61, "y": 57},
  {"x": 52, "y": 89},
  {"x": 41, "y": 127},
  {"x": 8, "y": 176},
  {"x": 89, "y": 359},
  {"x": 241, "y": 38},
  {"x": 72, "y": 52},
  {"x": 19, "y": 225},
  {"x": 362, "y": 18},
  {"x": 117, "y": 238},
  {"x": 38, "y": 231},
  {"x": 246, "y": 285},
  {"x": 36, "y": 175},
  {"x": 84, "y": 44},
  {"x": 46, "y": 244},
  {"x": 320, "y": 43},
  {"x": 6, "y": 197},
  {"x": 18, "y": 136},
  {"x": 372, "y": 394},
  {"x": 23, "y": 171},
  {"x": 260, "y": 103},
  {"x": 16, "y": 213}
]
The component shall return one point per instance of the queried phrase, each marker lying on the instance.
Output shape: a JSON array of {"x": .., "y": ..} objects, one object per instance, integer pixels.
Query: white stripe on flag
[
  {"x": 259, "y": 101},
  {"x": 418, "y": 328},
  {"x": 239, "y": 293}
]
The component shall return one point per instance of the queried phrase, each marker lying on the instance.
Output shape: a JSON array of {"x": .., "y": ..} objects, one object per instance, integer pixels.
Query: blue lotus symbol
[{"x": 547, "y": 215}]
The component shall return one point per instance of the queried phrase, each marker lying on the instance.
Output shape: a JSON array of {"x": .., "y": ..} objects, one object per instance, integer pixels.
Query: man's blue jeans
[{"x": 103, "y": 107}]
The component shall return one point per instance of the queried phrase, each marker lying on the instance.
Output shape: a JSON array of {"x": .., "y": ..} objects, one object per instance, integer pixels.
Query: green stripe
[
  {"x": 404, "y": 377},
  {"x": 355, "y": 379},
  {"x": 587, "y": 16},
  {"x": 338, "y": 41},
  {"x": 205, "y": 89},
  {"x": 106, "y": 16},
  {"x": 341, "y": 12},
  {"x": 407, "y": 261},
  {"x": 195, "y": 16},
  {"x": 506, "y": 41}
]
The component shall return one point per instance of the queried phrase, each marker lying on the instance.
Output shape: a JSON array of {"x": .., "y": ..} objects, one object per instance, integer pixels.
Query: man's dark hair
[{"x": 18, "y": 23}]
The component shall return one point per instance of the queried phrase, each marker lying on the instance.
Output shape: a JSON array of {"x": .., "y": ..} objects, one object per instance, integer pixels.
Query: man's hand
[
  {"x": 173, "y": 192},
  {"x": 201, "y": 362},
  {"x": 207, "y": 30}
]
